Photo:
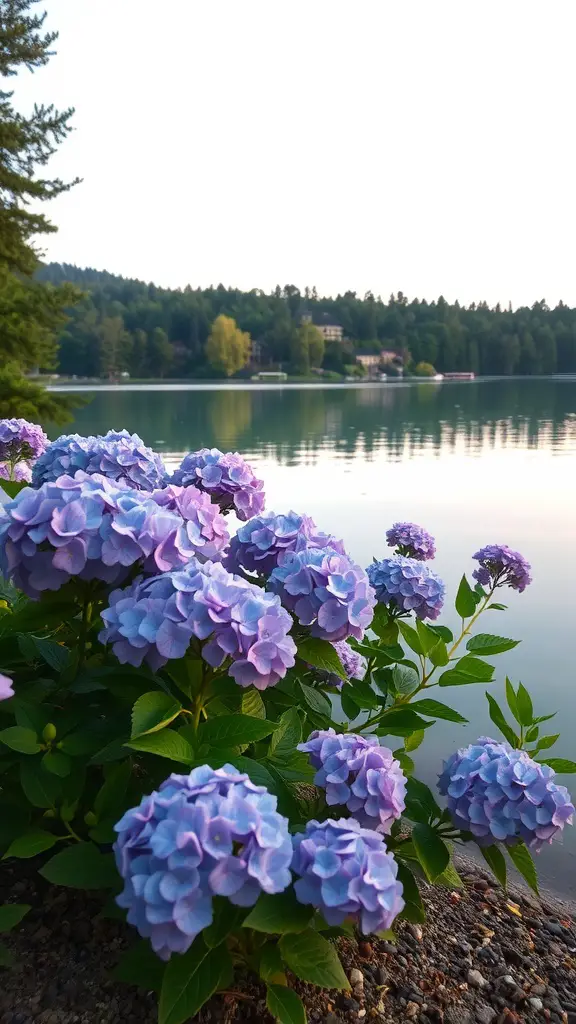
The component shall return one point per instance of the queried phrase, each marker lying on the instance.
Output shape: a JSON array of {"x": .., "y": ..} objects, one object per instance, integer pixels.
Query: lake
[{"x": 490, "y": 461}]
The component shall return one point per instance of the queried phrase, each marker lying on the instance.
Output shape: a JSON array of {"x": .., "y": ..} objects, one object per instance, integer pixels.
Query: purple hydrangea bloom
[
  {"x": 502, "y": 567},
  {"x": 406, "y": 585},
  {"x": 20, "y": 443},
  {"x": 156, "y": 619},
  {"x": 206, "y": 526},
  {"x": 260, "y": 542},
  {"x": 117, "y": 455},
  {"x": 411, "y": 540},
  {"x": 88, "y": 528},
  {"x": 326, "y": 590},
  {"x": 227, "y": 477},
  {"x": 502, "y": 795},
  {"x": 357, "y": 772},
  {"x": 6, "y": 690},
  {"x": 346, "y": 871},
  {"x": 209, "y": 833},
  {"x": 355, "y": 664}
]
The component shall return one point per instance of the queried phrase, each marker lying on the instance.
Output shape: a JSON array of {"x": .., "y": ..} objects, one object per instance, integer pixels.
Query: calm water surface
[{"x": 475, "y": 463}]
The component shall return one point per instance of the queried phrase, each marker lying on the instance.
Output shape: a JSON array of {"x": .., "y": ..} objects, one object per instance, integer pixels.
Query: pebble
[
  {"x": 381, "y": 975},
  {"x": 416, "y": 931},
  {"x": 485, "y": 1014},
  {"x": 536, "y": 1003},
  {"x": 475, "y": 979},
  {"x": 554, "y": 928},
  {"x": 538, "y": 990},
  {"x": 356, "y": 978},
  {"x": 412, "y": 1009}
]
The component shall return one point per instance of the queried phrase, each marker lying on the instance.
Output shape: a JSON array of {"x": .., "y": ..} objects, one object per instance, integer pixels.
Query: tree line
[{"x": 123, "y": 325}]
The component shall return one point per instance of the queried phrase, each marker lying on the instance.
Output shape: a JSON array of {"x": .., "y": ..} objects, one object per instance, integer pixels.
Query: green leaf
[
  {"x": 12, "y": 487},
  {"x": 281, "y": 914},
  {"x": 316, "y": 700},
  {"x": 406, "y": 763},
  {"x": 435, "y": 709},
  {"x": 270, "y": 966},
  {"x": 411, "y": 637},
  {"x": 11, "y": 914},
  {"x": 312, "y": 958},
  {"x": 512, "y": 700},
  {"x": 420, "y": 802},
  {"x": 432, "y": 851},
  {"x": 532, "y": 734},
  {"x": 20, "y": 739},
  {"x": 153, "y": 711},
  {"x": 525, "y": 709},
  {"x": 140, "y": 966},
  {"x": 401, "y": 721},
  {"x": 231, "y": 730},
  {"x": 545, "y": 742},
  {"x": 497, "y": 717},
  {"x": 287, "y": 737},
  {"x": 227, "y": 918},
  {"x": 496, "y": 862},
  {"x": 33, "y": 842},
  {"x": 256, "y": 771},
  {"x": 109, "y": 800},
  {"x": 439, "y": 654},
  {"x": 428, "y": 638},
  {"x": 465, "y": 600},
  {"x": 40, "y": 788},
  {"x": 414, "y": 741},
  {"x": 252, "y": 704},
  {"x": 54, "y": 654},
  {"x": 560, "y": 764},
  {"x": 189, "y": 981},
  {"x": 349, "y": 706},
  {"x": 57, "y": 763},
  {"x": 498, "y": 607},
  {"x": 522, "y": 860},
  {"x": 467, "y": 670},
  {"x": 167, "y": 743},
  {"x": 405, "y": 680},
  {"x": 285, "y": 1005},
  {"x": 82, "y": 866},
  {"x": 414, "y": 909},
  {"x": 443, "y": 632},
  {"x": 383, "y": 626},
  {"x": 487, "y": 644},
  {"x": 450, "y": 878},
  {"x": 321, "y": 655}
]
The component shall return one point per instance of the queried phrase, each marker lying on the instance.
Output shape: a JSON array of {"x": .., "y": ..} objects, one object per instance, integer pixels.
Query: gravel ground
[{"x": 483, "y": 957}]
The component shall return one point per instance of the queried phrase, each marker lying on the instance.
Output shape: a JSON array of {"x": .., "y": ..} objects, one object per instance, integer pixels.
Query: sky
[{"x": 359, "y": 145}]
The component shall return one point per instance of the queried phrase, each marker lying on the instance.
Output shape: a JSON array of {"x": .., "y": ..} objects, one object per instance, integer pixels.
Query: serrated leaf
[
  {"x": 524, "y": 702},
  {"x": 54, "y": 654},
  {"x": 189, "y": 981},
  {"x": 270, "y": 965},
  {"x": 81, "y": 866},
  {"x": 312, "y": 958},
  {"x": 287, "y": 737},
  {"x": 230, "y": 730},
  {"x": 433, "y": 854},
  {"x": 522, "y": 859},
  {"x": 401, "y": 721},
  {"x": 439, "y": 655},
  {"x": 420, "y": 803},
  {"x": 443, "y": 632},
  {"x": 280, "y": 914},
  {"x": 465, "y": 600},
  {"x": 349, "y": 706},
  {"x": 167, "y": 743},
  {"x": 316, "y": 700},
  {"x": 450, "y": 878},
  {"x": 405, "y": 680},
  {"x": 140, "y": 966},
  {"x": 30, "y": 844},
  {"x": 321, "y": 655},
  {"x": 413, "y": 741},
  {"x": 560, "y": 764},
  {"x": 410, "y": 636},
  {"x": 435, "y": 709},
  {"x": 428, "y": 638},
  {"x": 545, "y": 742},
  {"x": 252, "y": 704},
  {"x": 285, "y": 1005},
  {"x": 18, "y": 738},
  {"x": 153, "y": 711},
  {"x": 488, "y": 643},
  {"x": 40, "y": 788},
  {"x": 497, "y": 716},
  {"x": 11, "y": 914},
  {"x": 385, "y": 628},
  {"x": 467, "y": 670},
  {"x": 496, "y": 862}
]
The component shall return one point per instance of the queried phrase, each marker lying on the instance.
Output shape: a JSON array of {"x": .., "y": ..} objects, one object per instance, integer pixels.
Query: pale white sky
[{"x": 421, "y": 145}]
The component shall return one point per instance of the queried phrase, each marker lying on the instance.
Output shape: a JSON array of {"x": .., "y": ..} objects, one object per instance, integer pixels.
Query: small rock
[
  {"x": 538, "y": 990},
  {"x": 416, "y": 931},
  {"x": 365, "y": 949},
  {"x": 481, "y": 885},
  {"x": 389, "y": 947},
  {"x": 554, "y": 928},
  {"x": 356, "y": 978},
  {"x": 475, "y": 979},
  {"x": 457, "y": 1015},
  {"x": 346, "y": 1003},
  {"x": 485, "y": 1014},
  {"x": 331, "y": 1018},
  {"x": 508, "y": 980},
  {"x": 381, "y": 976},
  {"x": 412, "y": 1009},
  {"x": 535, "y": 1003}
]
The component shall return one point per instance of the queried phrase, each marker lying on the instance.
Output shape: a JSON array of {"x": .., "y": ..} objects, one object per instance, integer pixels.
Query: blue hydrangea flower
[
  {"x": 354, "y": 664},
  {"x": 358, "y": 773},
  {"x": 502, "y": 567},
  {"x": 259, "y": 543},
  {"x": 502, "y": 795},
  {"x": 209, "y": 833},
  {"x": 406, "y": 585},
  {"x": 20, "y": 443},
  {"x": 346, "y": 871},
  {"x": 227, "y": 477},
  {"x": 86, "y": 527},
  {"x": 117, "y": 455},
  {"x": 411, "y": 540},
  {"x": 156, "y": 619},
  {"x": 325, "y": 590},
  {"x": 206, "y": 527}
]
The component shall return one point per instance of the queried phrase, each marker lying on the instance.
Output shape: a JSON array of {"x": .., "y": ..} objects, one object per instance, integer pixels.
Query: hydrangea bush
[{"x": 219, "y": 730}]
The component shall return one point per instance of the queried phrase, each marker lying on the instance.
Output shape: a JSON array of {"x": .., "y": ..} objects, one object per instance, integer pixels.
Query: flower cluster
[
  {"x": 6, "y": 690},
  {"x": 210, "y": 833},
  {"x": 20, "y": 443},
  {"x": 157, "y": 618},
  {"x": 354, "y": 664},
  {"x": 206, "y": 527},
  {"x": 411, "y": 540},
  {"x": 260, "y": 543},
  {"x": 117, "y": 455},
  {"x": 502, "y": 795},
  {"x": 86, "y": 527},
  {"x": 326, "y": 590},
  {"x": 345, "y": 870},
  {"x": 227, "y": 477},
  {"x": 502, "y": 567},
  {"x": 405, "y": 585},
  {"x": 357, "y": 772}
]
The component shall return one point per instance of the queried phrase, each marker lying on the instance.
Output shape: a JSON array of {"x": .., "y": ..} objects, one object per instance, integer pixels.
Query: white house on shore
[{"x": 329, "y": 328}]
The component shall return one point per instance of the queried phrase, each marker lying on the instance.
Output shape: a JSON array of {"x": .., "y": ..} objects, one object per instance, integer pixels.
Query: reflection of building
[
  {"x": 329, "y": 328},
  {"x": 255, "y": 352},
  {"x": 371, "y": 363}
]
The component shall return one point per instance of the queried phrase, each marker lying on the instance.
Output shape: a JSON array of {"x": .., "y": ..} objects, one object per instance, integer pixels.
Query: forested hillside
[{"x": 124, "y": 325}]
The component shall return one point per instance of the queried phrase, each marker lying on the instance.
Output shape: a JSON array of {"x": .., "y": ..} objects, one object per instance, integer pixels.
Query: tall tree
[
  {"x": 314, "y": 340},
  {"x": 29, "y": 311},
  {"x": 227, "y": 348}
]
